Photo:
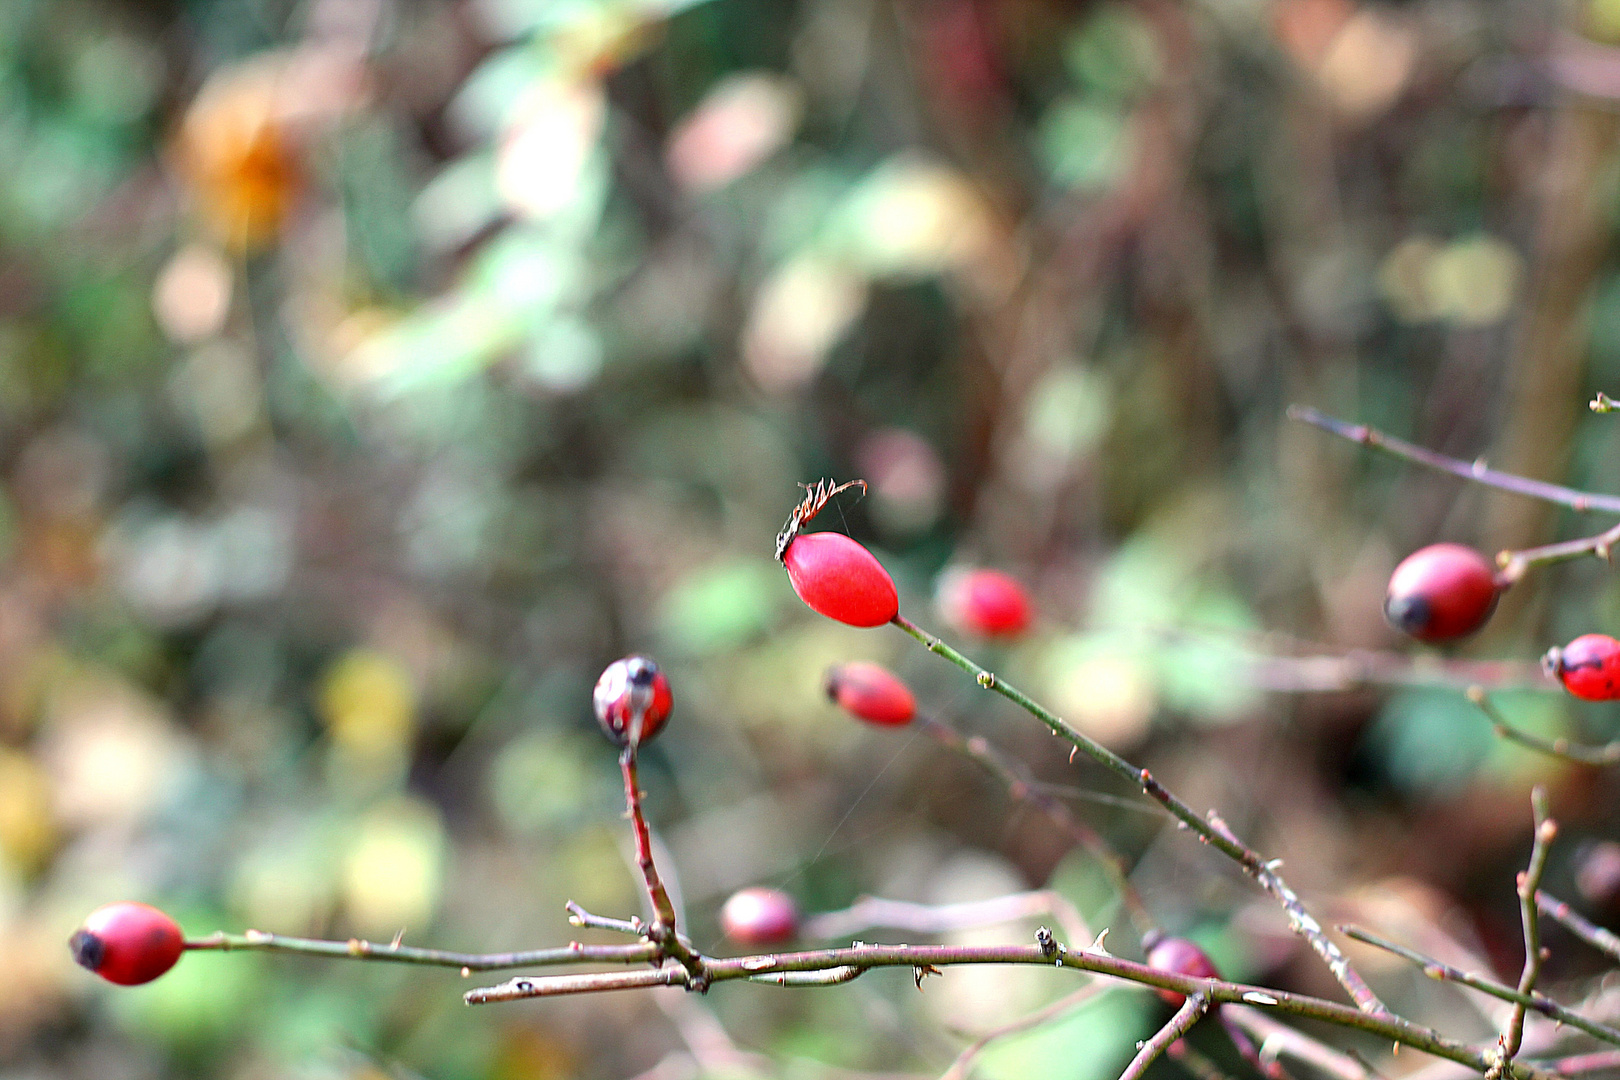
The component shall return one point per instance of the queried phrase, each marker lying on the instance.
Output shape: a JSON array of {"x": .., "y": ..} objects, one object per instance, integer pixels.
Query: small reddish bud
[
  {"x": 759, "y": 916},
  {"x": 632, "y": 700},
  {"x": 127, "y": 943},
  {"x": 1178, "y": 955},
  {"x": 1441, "y": 592},
  {"x": 984, "y": 603},
  {"x": 840, "y": 579},
  {"x": 1589, "y": 667},
  {"x": 871, "y": 692}
]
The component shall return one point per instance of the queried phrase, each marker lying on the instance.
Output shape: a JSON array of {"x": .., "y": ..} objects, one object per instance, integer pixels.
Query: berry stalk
[
  {"x": 662, "y": 932},
  {"x": 355, "y": 949}
]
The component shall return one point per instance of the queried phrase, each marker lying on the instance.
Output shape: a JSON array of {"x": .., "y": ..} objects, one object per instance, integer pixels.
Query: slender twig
[
  {"x": 663, "y": 931},
  {"x": 1061, "y": 1007},
  {"x": 1590, "y": 932},
  {"x": 354, "y": 949},
  {"x": 1514, "y": 564},
  {"x": 1436, "y": 969},
  {"x": 1607, "y": 754},
  {"x": 1475, "y": 470},
  {"x": 1530, "y": 916},
  {"x": 1214, "y": 832},
  {"x": 1022, "y": 787},
  {"x": 1192, "y": 1010},
  {"x": 578, "y": 916},
  {"x": 1385, "y": 1026},
  {"x": 869, "y": 912}
]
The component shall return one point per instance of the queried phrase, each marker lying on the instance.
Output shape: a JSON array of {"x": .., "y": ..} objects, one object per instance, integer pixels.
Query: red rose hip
[
  {"x": 127, "y": 943},
  {"x": 1182, "y": 957},
  {"x": 632, "y": 700},
  {"x": 1441, "y": 592},
  {"x": 985, "y": 603},
  {"x": 840, "y": 579},
  {"x": 759, "y": 916},
  {"x": 871, "y": 692},
  {"x": 1589, "y": 667}
]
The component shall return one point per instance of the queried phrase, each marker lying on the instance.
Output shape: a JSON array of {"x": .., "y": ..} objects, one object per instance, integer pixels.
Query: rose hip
[
  {"x": 871, "y": 692},
  {"x": 632, "y": 700},
  {"x": 127, "y": 943},
  {"x": 1589, "y": 667},
  {"x": 759, "y": 916},
  {"x": 1441, "y": 592}
]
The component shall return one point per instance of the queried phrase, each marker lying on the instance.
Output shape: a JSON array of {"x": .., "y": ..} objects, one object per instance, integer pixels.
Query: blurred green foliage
[{"x": 373, "y": 372}]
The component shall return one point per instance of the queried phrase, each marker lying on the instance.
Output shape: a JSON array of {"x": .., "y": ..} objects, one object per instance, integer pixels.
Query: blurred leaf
[
  {"x": 1084, "y": 146},
  {"x": 720, "y": 606},
  {"x": 1430, "y": 741},
  {"x": 1107, "y": 1028}
]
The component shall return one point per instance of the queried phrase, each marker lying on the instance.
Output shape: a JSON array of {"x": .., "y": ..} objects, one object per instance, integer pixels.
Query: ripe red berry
[
  {"x": 1589, "y": 667},
  {"x": 758, "y": 916},
  {"x": 871, "y": 692},
  {"x": 985, "y": 603},
  {"x": 1178, "y": 955},
  {"x": 632, "y": 693},
  {"x": 1441, "y": 592},
  {"x": 127, "y": 943},
  {"x": 840, "y": 579}
]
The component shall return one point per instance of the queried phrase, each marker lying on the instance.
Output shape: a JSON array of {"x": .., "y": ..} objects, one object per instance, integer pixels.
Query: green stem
[{"x": 1607, "y": 754}]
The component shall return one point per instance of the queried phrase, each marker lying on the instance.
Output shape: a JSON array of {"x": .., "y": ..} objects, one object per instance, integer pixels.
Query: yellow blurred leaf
[{"x": 368, "y": 703}]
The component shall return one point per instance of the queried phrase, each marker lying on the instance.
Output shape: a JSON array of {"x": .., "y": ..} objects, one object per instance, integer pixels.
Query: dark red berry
[
  {"x": 840, "y": 579},
  {"x": 871, "y": 692},
  {"x": 1589, "y": 667},
  {"x": 632, "y": 700},
  {"x": 759, "y": 916},
  {"x": 1178, "y": 955},
  {"x": 985, "y": 603},
  {"x": 1441, "y": 592},
  {"x": 127, "y": 943}
]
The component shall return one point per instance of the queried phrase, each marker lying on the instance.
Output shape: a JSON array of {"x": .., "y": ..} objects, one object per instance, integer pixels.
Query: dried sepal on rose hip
[
  {"x": 632, "y": 700},
  {"x": 757, "y": 916},
  {"x": 1589, "y": 667},
  {"x": 1441, "y": 592},
  {"x": 831, "y": 573},
  {"x": 871, "y": 692},
  {"x": 127, "y": 943},
  {"x": 1180, "y": 956},
  {"x": 983, "y": 603}
]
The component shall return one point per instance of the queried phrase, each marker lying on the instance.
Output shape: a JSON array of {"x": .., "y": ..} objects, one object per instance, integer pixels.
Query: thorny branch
[
  {"x": 1192, "y": 1010},
  {"x": 1212, "y": 832},
  {"x": 1444, "y": 972},
  {"x": 848, "y": 963}
]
